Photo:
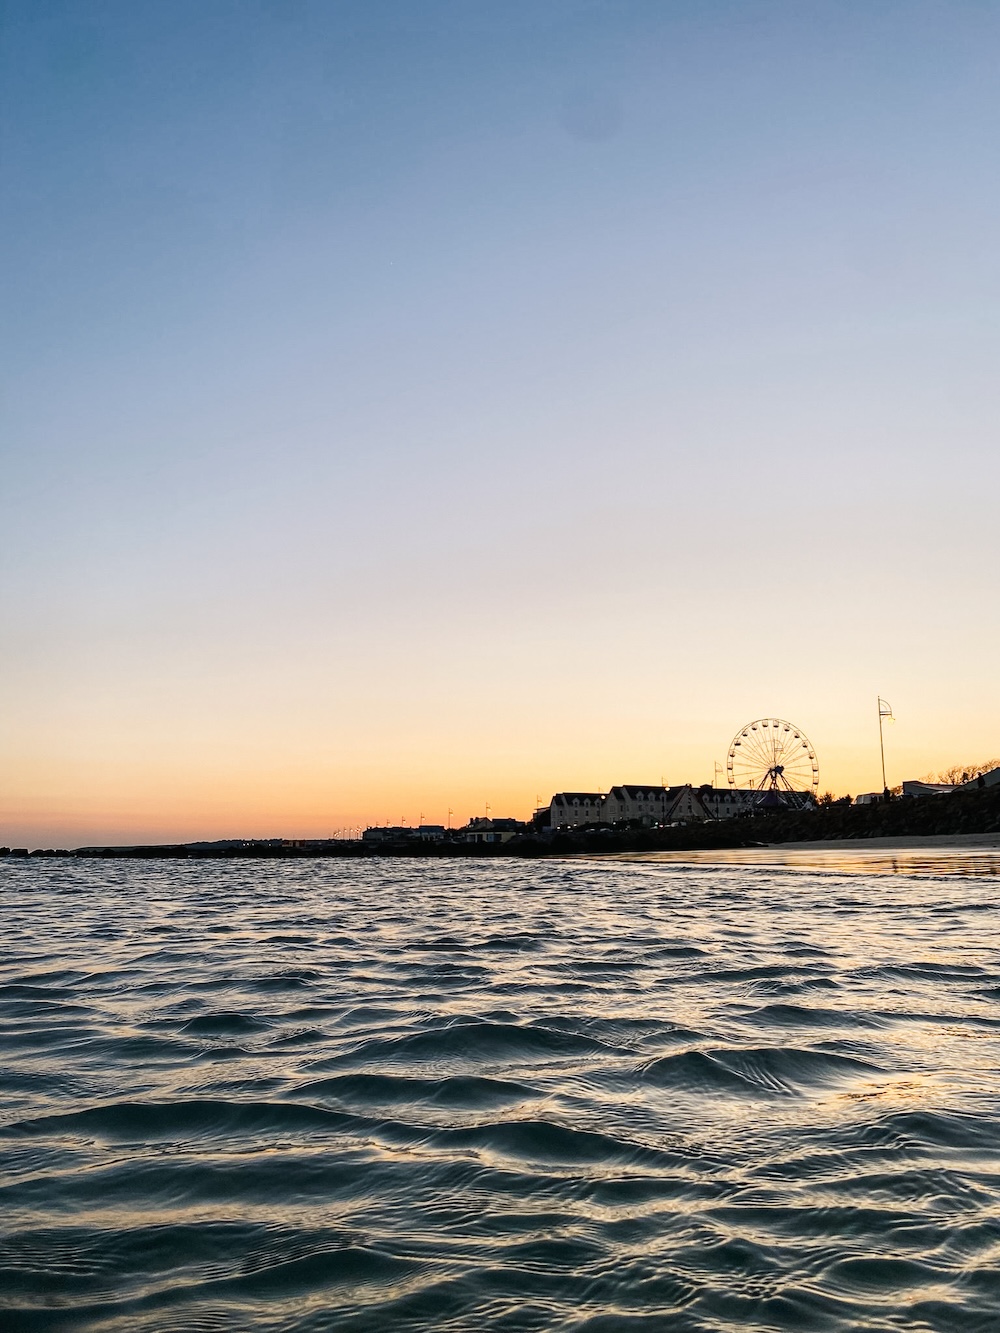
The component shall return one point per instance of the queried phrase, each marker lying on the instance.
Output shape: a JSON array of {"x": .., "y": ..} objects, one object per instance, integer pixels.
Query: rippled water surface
[{"x": 499, "y": 1095}]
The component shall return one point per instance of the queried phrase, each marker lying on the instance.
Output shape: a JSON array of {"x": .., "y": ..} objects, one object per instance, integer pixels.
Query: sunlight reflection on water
[{"x": 972, "y": 862}]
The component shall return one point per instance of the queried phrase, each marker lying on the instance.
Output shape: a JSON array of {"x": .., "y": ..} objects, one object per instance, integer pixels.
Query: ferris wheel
[{"x": 772, "y": 755}]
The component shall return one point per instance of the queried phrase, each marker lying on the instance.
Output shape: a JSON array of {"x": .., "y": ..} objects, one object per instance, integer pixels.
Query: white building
[
  {"x": 570, "y": 809},
  {"x": 630, "y": 801}
]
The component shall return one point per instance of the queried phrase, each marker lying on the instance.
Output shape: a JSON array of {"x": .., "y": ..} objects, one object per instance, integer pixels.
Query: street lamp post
[{"x": 884, "y": 711}]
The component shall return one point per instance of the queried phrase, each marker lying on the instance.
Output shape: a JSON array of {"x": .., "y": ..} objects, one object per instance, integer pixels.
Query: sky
[{"x": 413, "y": 408}]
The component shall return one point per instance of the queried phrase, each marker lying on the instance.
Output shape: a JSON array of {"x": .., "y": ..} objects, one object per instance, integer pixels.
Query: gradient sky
[{"x": 413, "y": 406}]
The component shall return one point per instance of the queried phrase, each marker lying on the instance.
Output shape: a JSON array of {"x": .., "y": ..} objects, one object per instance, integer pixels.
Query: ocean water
[{"x": 439, "y": 1095}]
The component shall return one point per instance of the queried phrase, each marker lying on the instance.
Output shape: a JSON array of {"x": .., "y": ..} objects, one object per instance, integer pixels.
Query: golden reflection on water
[
  {"x": 966, "y": 862},
  {"x": 893, "y": 1093}
]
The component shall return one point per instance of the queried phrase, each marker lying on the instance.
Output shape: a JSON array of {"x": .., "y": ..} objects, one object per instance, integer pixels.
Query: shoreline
[
  {"x": 939, "y": 842},
  {"x": 964, "y": 854},
  {"x": 915, "y": 841}
]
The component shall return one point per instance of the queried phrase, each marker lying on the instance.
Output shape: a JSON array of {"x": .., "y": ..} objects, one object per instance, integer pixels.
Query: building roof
[{"x": 920, "y": 788}]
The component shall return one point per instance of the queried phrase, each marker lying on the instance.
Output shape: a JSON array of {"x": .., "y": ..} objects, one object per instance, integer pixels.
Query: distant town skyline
[{"x": 409, "y": 407}]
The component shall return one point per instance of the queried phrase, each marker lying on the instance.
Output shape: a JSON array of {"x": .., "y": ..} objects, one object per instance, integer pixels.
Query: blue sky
[{"x": 460, "y": 396}]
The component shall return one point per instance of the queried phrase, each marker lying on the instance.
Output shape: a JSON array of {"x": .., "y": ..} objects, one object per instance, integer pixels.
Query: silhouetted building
[
  {"x": 390, "y": 833},
  {"x": 727, "y": 802},
  {"x": 652, "y": 804},
  {"x": 482, "y": 829},
  {"x": 923, "y": 789}
]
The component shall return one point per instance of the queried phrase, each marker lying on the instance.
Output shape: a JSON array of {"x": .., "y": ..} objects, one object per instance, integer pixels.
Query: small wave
[
  {"x": 334, "y": 1266},
  {"x": 144, "y": 1050},
  {"x": 637, "y": 1191},
  {"x": 60, "y": 981},
  {"x": 474, "y": 1041},
  {"x": 47, "y": 1034},
  {"x": 764, "y": 972},
  {"x": 384, "y": 1089},
  {"x": 22, "y": 991},
  {"x": 287, "y": 981},
  {"x": 445, "y": 944},
  {"x": 301, "y": 1037},
  {"x": 207, "y": 1262},
  {"x": 802, "y": 1015},
  {"x": 762, "y": 1071},
  {"x": 935, "y": 971},
  {"x": 881, "y": 1274},
  {"x": 946, "y": 1129},
  {"x": 513, "y": 943},
  {"x": 677, "y": 951},
  {"x": 358, "y": 1016},
  {"x": 226, "y": 1023},
  {"x": 599, "y": 968},
  {"x": 548, "y": 1141},
  {"x": 130, "y": 1122}
]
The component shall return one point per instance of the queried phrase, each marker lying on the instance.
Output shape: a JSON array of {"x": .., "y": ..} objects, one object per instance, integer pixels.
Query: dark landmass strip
[{"x": 968, "y": 811}]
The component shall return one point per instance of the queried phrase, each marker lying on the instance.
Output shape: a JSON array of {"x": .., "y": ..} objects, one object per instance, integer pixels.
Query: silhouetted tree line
[{"x": 959, "y": 773}]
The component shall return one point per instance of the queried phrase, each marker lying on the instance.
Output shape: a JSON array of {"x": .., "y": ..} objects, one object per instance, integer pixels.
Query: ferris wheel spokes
[{"x": 772, "y": 755}]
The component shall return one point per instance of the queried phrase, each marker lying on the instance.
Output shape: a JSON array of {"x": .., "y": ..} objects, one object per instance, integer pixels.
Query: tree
[{"x": 959, "y": 773}]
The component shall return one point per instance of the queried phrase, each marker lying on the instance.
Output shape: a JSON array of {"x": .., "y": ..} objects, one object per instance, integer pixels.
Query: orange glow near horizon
[{"x": 187, "y": 787}]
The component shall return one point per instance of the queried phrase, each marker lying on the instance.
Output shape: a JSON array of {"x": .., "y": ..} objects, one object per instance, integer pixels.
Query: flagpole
[
  {"x": 884, "y": 711},
  {"x": 881, "y": 742}
]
